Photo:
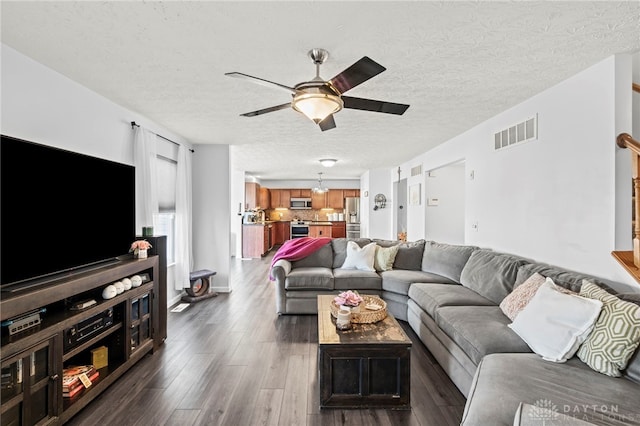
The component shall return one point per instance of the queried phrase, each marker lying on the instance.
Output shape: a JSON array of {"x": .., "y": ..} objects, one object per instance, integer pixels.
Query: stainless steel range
[{"x": 299, "y": 229}]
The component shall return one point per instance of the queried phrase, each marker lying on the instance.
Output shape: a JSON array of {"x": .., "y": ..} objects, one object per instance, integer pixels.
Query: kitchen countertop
[
  {"x": 310, "y": 222},
  {"x": 266, "y": 222}
]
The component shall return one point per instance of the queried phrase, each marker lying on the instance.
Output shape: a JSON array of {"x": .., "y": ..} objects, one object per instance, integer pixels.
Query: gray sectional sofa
[{"x": 450, "y": 296}]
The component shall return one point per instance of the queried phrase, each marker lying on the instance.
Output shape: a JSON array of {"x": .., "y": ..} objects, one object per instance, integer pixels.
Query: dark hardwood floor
[{"x": 231, "y": 360}]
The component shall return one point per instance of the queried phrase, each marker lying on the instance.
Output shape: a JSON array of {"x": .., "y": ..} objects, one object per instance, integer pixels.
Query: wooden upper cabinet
[
  {"x": 351, "y": 192},
  {"x": 251, "y": 195},
  {"x": 264, "y": 201},
  {"x": 319, "y": 200},
  {"x": 335, "y": 199},
  {"x": 300, "y": 193},
  {"x": 280, "y": 198}
]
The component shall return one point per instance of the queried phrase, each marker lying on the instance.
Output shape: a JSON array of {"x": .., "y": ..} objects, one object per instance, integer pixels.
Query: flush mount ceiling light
[
  {"x": 328, "y": 162},
  {"x": 320, "y": 189}
]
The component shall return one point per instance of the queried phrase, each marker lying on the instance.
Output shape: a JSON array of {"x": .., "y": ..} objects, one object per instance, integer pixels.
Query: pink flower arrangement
[
  {"x": 348, "y": 298},
  {"x": 140, "y": 245}
]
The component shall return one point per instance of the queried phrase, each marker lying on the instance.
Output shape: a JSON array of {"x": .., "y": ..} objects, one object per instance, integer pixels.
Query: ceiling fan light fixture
[
  {"x": 328, "y": 162},
  {"x": 317, "y": 106}
]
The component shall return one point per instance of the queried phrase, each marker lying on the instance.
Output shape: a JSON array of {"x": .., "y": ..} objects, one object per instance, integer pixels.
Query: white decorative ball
[
  {"x": 127, "y": 284},
  {"x": 119, "y": 286},
  {"x": 136, "y": 281},
  {"x": 109, "y": 292}
]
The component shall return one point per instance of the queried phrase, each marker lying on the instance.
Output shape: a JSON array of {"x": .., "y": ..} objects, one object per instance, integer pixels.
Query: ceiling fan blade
[
  {"x": 266, "y": 110},
  {"x": 261, "y": 81},
  {"x": 327, "y": 124},
  {"x": 356, "y": 74},
  {"x": 373, "y": 105}
]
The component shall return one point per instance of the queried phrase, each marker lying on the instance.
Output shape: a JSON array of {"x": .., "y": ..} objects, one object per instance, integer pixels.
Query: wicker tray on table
[{"x": 376, "y": 310}]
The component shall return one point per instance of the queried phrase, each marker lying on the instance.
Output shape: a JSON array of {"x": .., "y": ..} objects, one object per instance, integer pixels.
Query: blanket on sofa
[{"x": 297, "y": 249}]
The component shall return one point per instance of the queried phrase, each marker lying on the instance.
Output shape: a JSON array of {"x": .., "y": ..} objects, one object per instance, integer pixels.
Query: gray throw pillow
[
  {"x": 409, "y": 256},
  {"x": 491, "y": 274},
  {"x": 446, "y": 259}
]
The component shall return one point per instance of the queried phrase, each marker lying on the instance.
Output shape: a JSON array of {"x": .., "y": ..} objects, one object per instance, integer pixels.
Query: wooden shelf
[{"x": 44, "y": 344}]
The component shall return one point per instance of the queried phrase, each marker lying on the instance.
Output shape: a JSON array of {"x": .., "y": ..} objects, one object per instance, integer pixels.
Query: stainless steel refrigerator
[{"x": 352, "y": 216}]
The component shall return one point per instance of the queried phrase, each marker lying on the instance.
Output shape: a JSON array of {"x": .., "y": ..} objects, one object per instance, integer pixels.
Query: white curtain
[
  {"x": 184, "y": 259},
  {"x": 144, "y": 158}
]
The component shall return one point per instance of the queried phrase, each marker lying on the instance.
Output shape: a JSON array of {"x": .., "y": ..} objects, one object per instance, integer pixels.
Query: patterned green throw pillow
[{"x": 615, "y": 336}]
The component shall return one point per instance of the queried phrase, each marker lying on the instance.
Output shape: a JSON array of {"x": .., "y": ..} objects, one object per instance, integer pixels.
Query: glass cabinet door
[
  {"x": 140, "y": 321},
  {"x": 29, "y": 386}
]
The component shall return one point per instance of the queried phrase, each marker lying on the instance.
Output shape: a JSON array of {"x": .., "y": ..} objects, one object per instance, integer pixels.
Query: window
[{"x": 164, "y": 222}]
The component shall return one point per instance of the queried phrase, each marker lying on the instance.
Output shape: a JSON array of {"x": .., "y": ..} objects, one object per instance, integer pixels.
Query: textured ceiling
[{"x": 456, "y": 63}]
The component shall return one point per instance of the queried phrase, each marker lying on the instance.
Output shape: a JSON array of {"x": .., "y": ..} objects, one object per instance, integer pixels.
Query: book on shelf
[{"x": 74, "y": 379}]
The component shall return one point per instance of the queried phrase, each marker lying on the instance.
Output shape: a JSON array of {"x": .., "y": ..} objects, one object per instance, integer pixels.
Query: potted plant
[{"x": 139, "y": 248}]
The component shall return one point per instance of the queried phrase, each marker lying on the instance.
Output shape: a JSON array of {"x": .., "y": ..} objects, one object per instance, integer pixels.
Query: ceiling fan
[{"x": 318, "y": 99}]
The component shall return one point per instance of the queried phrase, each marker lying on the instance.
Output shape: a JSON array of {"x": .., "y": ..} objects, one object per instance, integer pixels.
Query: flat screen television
[{"x": 61, "y": 212}]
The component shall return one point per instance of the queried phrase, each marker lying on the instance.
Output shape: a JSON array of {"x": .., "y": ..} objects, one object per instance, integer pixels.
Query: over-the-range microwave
[{"x": 300, "y": 204}]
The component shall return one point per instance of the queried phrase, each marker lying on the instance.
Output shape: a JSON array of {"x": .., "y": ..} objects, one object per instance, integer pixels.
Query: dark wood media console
[{"x": 33, "y": 360}]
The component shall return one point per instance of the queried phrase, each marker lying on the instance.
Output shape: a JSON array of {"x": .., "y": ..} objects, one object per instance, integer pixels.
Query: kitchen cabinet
[
  {"x": 251, "y": 195},
  {"x": 300, "y": 193},
  {"x": 264, "y": 198},
  {"x": 282, "y": 232},
  {"x": 256, "y": 240},
  {"x": 316, "y": 231},
  {"x": 338, "y": 229},
  {"x": 280, "y": 198},
  {"x": 351, "y": 192},
  {"x": 272, "y": 236},
  {"x": 318, "y": 200},
  {"x": 335, "y": 199}
]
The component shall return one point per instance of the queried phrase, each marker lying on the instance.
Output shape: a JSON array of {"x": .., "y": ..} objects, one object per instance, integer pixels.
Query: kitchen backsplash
[{"x": 301, "y": 214}]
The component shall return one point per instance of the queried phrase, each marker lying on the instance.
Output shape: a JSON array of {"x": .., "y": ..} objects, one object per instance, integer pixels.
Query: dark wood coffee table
[{"x": 365, "y": 367}]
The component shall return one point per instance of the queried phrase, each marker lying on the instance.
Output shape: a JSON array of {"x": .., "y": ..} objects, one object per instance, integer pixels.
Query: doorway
[
  {"x": 445, "y": 204},
  {"x": 400, "y": 194}
]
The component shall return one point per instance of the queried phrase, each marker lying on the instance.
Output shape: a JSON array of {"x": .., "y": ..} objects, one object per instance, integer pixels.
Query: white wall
[
  {"x": 211, "y": 212},
  {"x": 552, "y": 199},
  {"x": 376, "y": 223},
  {"x": 445, "y": 221},
  {"x": 41, "y": 105}
]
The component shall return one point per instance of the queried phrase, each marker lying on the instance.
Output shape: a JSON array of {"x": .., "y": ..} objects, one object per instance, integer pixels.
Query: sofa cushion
[
  {"x": 432, "y": 296},
  {"x": 555, "y": 324},
  {"x": 356, "y": 279},
  {"x": 573, "y": 388},
  {"x": 445, "y": 259},
  {"x": 361, "y": 258},
  {"x": 479, "y": 330},
  {"x": 339, "y": 247},
  {"x": 322, "y": 257},
  {"x": 399, "y": 280},
  {"x": 491, "y": 274},
  {"x": 409, "y": 256},
  {"x": 615, "y": 336},
  {"x": 309, "y": 278},
  {"x": 384, "y": 258},
  {"x": 562, "y": 277},
  {"x": 522, "y": 295},
  {"x": 632, "y": 371}
]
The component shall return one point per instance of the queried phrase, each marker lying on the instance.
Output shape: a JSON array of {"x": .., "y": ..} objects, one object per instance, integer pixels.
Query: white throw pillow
[
  {"x": 360, "y": 258},
  {"x": 555, "y": 324}
]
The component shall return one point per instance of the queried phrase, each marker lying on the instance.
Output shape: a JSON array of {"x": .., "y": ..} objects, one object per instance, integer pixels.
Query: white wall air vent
[
  {"x": 416, "y": 171},
  {"x": 521, "y": 132}
]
